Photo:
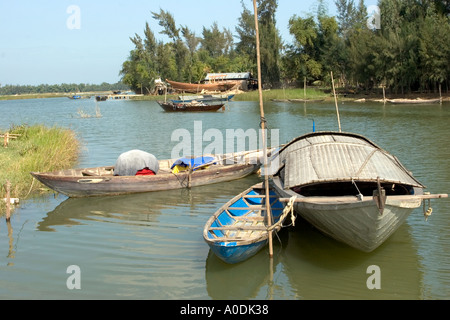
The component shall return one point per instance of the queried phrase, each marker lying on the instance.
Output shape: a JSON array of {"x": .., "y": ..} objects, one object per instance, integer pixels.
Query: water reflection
[{"x": 150, "y": 246}]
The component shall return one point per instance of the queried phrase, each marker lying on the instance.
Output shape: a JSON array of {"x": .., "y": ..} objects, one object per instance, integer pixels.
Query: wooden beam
[{"x": 367, "y": 198}]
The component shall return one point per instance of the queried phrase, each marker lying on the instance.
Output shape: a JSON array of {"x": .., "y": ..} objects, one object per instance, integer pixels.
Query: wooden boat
[
  {"x": 306, "y": 100},
  {"x": 193, "y": 106},
  {"x": 347, "y": 187},
  {"x": 101, "y": 98},
  {"x": 413, "y": 101},
  {"x": 209, "y": 98},
  {"x": 238, "y": 230},
  {"x": 101, "y": 181},
  {"x": 199, "y": 87}
]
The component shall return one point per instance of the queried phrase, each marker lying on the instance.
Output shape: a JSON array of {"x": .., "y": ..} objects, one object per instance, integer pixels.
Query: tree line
[
  {"x": 61, "y": 88},
  {"x": 406, "y": 50}
]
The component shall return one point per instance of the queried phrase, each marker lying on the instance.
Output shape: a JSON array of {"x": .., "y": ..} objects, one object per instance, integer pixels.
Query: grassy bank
[
  {"x": 38, "y": 148},
  {"x": 311, "y": 93}
]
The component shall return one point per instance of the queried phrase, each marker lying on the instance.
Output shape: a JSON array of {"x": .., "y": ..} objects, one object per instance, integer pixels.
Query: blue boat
[{"x": 238, "y": 230}]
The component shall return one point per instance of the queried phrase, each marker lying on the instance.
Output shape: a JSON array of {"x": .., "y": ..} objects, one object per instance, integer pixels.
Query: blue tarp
[{"x": 193, "y": 162}]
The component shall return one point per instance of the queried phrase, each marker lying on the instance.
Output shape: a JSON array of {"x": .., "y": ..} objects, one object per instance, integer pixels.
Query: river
[{"x": 150, "y": 246}]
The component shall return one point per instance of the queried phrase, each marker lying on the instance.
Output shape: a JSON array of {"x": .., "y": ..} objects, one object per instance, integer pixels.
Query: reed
[{"x": 38, "y": 148}]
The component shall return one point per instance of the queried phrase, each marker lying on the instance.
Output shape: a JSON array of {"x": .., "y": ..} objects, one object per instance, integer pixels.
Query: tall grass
[
  {"x": 38, "y": 148},
  {"x": 280, "y": 94}
]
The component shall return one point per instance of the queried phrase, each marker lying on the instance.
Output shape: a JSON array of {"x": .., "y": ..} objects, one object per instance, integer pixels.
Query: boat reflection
[{"x": 138, "y": 208}]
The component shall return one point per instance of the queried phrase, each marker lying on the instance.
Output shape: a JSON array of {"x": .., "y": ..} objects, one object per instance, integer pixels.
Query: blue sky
[{"x": 40, "y": 41}]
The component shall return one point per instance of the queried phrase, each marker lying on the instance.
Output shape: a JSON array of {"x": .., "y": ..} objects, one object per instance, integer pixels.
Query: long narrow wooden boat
[
  {"x": 199, "y": 87},
  {"x": 413, "y": 101},
  {"x": 306, "y": 100},
  {"x": 239, "y": 230},
  {"x": 101, "y": 181},
  {"x": 193, "y": 106},
  {"x": 347, "y": 187}
]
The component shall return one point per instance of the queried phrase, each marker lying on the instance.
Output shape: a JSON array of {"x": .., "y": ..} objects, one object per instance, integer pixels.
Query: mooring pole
[
  {"x": 335, "y": 102},
  {"x": 263, "y": 127},
  {"x": 8, "y": 200}
]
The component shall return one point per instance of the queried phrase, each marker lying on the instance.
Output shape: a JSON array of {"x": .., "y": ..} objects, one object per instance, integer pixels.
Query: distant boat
[
  {"x": 199, "y": 87},
  {"x": 413, "y": 101},
  {"x": 204, "y": 98},
  {"x": 101, "y": 98},
  {"x": 306, "y": 100},
  {"x": 347, "y": 187},
  {"x": 193, "y": 106},
  {"x": 238, "y": 230},
  {"x": 79, "y": 97}
]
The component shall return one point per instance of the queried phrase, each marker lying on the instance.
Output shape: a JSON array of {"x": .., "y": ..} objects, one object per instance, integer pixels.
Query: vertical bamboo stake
[
  {"x": 384, "y": 95},
  {"x": 8, "y": 200},
  {"x": 263, "y": 127},
  {"x": 6, "y": 140},
  {"x": 335, "y": 102},
  {"x": 304, "y": 87}
]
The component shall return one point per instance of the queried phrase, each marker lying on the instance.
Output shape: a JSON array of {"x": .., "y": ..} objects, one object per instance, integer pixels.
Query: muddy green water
[{"x": 150, "y": 246}]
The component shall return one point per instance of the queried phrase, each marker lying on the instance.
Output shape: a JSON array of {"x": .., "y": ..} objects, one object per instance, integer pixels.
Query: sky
[{"x": 80, "y": 41}]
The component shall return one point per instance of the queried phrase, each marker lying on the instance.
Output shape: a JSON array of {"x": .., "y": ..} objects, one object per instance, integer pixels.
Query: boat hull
[
  {"x": 184, "y": 107},
  {"x": 73, "y": 184},
  {"x": 234, "y": 253},
  {"x": 200, "y": 87},
  {"x": 358, "y": 224}
]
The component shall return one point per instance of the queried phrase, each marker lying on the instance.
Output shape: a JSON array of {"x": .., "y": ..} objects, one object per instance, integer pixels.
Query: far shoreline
[{"x": 275, "y": 94}]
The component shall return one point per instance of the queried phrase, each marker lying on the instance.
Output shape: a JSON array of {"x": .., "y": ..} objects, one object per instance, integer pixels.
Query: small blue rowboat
[{"x": 238, "y": 230}]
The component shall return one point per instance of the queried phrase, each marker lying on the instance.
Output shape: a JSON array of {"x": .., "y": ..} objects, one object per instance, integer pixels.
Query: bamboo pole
[
  {"x": 263, "y": 127},
  {"x": 304, "y": 87},
  {"x": 335, "y": 102},
  {"x": 8, "y": 200}
]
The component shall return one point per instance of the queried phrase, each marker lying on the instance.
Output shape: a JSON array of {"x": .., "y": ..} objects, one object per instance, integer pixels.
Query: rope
[
  {"x": 289, "y": 208},
  {"x": 427, "y": 212},
  {"x": 263, "y": 120},
  {"x": 32, "y": 183},
  {"x": 359, "y": 195}
]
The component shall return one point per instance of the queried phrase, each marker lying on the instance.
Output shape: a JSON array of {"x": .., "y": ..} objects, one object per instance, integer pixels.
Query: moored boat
[
  {"x": 200, "y": 87},
  {"x": 347, "y": 187},
  {"x": 193, "y": 106},
  {"x": 239, "y": 229},
  {"x": 103, "y": 181},
  {"x": 414, "y": 101}
]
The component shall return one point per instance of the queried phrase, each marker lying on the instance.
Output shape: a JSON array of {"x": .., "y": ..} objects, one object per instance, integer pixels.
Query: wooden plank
[
  {"x": 366, "y": 198},
  {"x": 233, "y": 239},
  {"x": 239, "y": 228},
  {"x": 258, "y": 196}
]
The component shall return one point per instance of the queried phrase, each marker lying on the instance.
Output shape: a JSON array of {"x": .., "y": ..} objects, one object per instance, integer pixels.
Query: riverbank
[
  {"x": 295, "y": 94},
  {"x": 35, "y": 148},
  {"x": 52, "y": 95},
  {"x": 310, "y": 94}
]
